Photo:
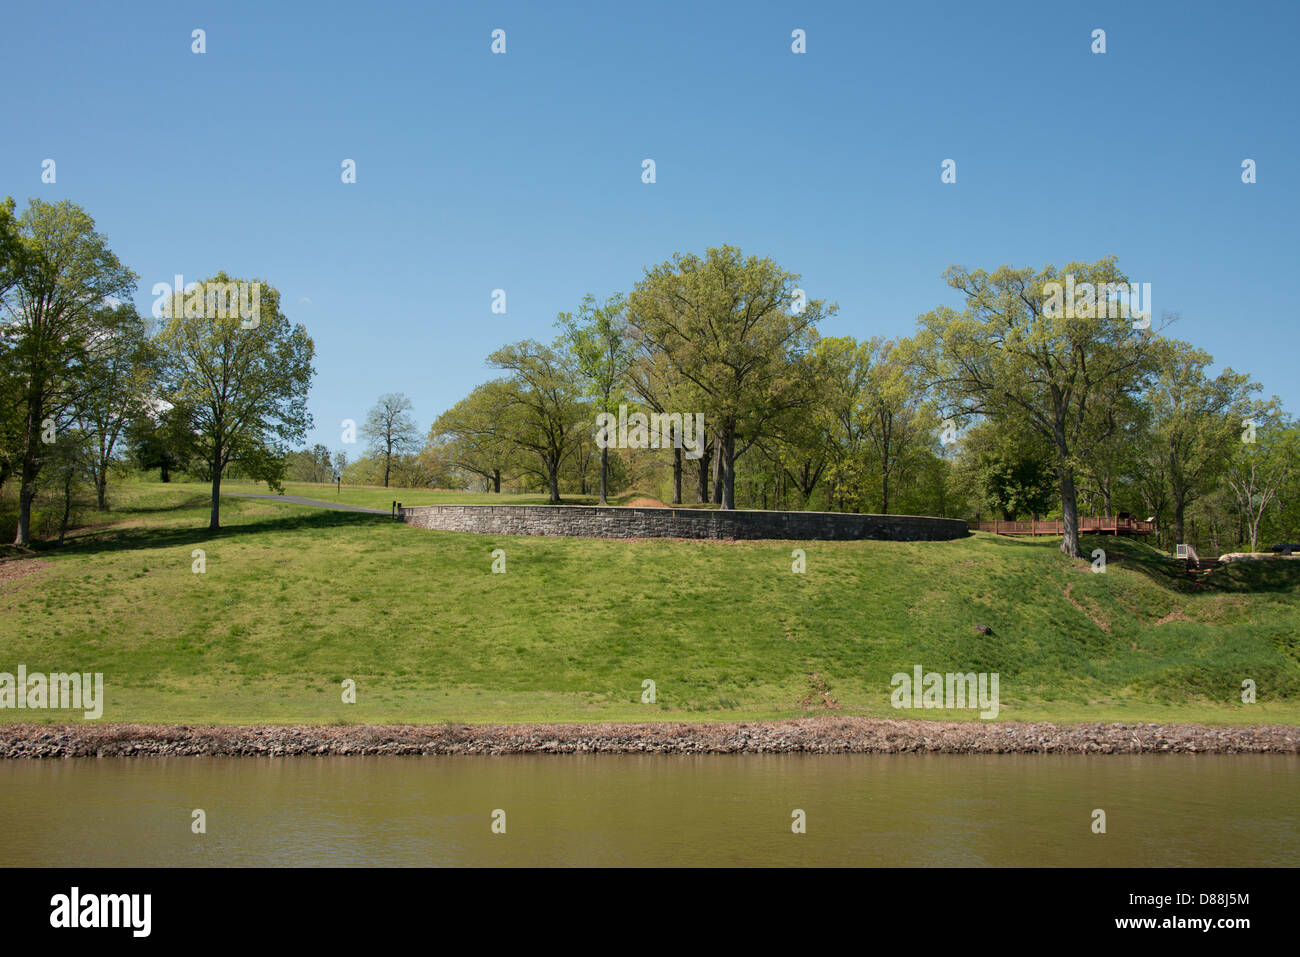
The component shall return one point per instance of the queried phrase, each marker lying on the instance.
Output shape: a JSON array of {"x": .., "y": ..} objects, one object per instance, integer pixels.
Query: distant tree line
[
  {"x": 1004, "y": 407},
  {"x": 1007, "y": 407}
]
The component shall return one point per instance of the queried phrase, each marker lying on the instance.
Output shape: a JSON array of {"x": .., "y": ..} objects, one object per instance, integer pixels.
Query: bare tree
[{"x": 390, "y": 430}]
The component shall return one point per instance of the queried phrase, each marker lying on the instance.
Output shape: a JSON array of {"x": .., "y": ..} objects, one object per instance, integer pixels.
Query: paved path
[{"x": 309, "y": 501}]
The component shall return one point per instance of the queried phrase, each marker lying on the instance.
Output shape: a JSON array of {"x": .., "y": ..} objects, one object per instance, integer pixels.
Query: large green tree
[
  {"x": 472, "y": 436},
  {"x": 1017, "y": 349},
  {"x": 1196, "y": 424},
  {"x": 61, "y": 275},
  {"x": 542, "y": 411},
  {"x": 1007, "y": 468},
  {"x": 121, "y": 366},
  {"x": 597, "y": 338},
  {"x": 653, "y": 382},
  {"x": 1259, "y": 469},
  {"x": 242, "y": 386},
  {"x": 733, "y": 326}
]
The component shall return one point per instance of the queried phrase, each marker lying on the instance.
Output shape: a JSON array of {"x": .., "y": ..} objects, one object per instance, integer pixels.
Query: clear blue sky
[{"x": 523, "y": 171}]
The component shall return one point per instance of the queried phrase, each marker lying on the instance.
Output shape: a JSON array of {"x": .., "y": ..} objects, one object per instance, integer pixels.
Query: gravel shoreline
[{"x": 822, "y": 735}]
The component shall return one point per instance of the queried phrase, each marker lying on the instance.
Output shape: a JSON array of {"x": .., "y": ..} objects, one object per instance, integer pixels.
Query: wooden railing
[{"x": 1096, "y": 524}]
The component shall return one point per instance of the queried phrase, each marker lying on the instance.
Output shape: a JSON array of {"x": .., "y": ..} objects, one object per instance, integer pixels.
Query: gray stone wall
[{"x": 590, "y": 521}]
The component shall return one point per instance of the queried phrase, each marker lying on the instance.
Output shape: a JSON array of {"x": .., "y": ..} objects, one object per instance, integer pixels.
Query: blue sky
[{"x": 523, "y": 171}]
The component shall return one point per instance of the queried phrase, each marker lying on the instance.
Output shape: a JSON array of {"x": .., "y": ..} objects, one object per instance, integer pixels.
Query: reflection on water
[{"x": 641, "y": 810}]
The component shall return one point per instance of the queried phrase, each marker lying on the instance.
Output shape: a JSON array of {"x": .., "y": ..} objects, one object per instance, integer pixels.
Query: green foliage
[
  {"x": 310, "y": 465},
  {"x": 733, "y": 328},
  {"x": 241, "y": 389},
  {"x": 539, "y": 408},
  {"x": 57, "y": 275},
  {"x": 1013, "y": 352}
]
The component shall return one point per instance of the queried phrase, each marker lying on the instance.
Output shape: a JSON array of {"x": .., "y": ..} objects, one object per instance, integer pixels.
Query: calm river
[{"x": 908, "y": 810}]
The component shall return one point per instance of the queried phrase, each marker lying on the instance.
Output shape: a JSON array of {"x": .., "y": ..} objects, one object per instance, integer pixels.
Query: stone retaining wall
[{"x": 593, "y": 521}]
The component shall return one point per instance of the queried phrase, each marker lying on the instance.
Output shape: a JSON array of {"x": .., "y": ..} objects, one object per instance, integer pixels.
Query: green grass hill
[{"x": 295, "y": 599}]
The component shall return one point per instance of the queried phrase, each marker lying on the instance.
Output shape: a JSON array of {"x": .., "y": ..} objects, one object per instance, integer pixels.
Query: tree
[
  {"x": 1122, "y": 426},
  {"x": 390, "y": 430},
  {"x": 1196, "y": 423},
  {"x": 842, "y": 368},
  {"x": 310, "y": 465},
  {"x": 65, "y": 272},
  {"x": 1259, "y": 469},
  {"x": 1019, "y": 348},
  {"x": 804, "y": 440},
  {"x": 542, "y": 412},
  {"x": 1008, "y": 469},
  {"x": 733, "y": 327},
  {"x": 160, "y": 439},
  {"x": 71, "y": 460},
  {"x": 471, "y": 435},
  {"x": 11, "y": 407},
  {"x": 243, "y": 389},
  {"x": 597, "y": 339},
  {"x": 893, "y": 410},
  {"x": 653, "y": 382},
  {"x": 120, "y": 366}
]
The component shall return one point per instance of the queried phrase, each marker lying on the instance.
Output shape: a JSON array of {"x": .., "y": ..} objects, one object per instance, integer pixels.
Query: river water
[{"x": 643, "y": 810}]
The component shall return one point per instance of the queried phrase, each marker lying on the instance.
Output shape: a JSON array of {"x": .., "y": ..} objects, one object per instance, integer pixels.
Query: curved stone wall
[{"x": 594, "y": 521}]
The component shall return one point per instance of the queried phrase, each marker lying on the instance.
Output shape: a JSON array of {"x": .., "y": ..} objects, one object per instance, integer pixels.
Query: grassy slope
[{"x": 296, "y": 599}]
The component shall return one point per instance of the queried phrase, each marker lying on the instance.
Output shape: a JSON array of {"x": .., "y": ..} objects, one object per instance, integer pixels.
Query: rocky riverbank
[{"x": 821, "y": 735}]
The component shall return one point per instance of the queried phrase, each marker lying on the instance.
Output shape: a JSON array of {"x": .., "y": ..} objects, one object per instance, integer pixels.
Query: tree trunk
[
  {"x": 67, "y": 505},
  {"x": 553, "y": 482},
  {"x": 101, "y": 489},
  {"x": 702, "y": 476},
  {"x": 677, "y": 476},
  {"x": 1179, "y": 531},
  {"x": 604, "y": 468},
  {"x": 718, "y": 456},
  {"x": 27, "y": 475},
  {"x": 496, "y": 481},
  {"x": 26, "y": 493},
  {"x": 729, "y": 468},
  {"x": 1069, "y": 513},
  {"x": 388, "y": 460},
  {"x": 214, "y": 523}
]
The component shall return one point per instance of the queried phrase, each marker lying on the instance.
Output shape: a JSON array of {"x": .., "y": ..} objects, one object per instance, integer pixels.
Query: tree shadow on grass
[
  {"x": 1171, "y": 573},
  {"x": 192, "y": 501},
  {"x": 133, "y": 539}
]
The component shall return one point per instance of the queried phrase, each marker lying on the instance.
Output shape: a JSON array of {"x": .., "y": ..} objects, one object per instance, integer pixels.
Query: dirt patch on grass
[
  {"x": 645, "y": 502},
  {"x": 820, "y": 697},
  {"x": 1090, "y": 612},
  {"x": 1176, "y": 615},
  {"x": 15, "y": 570}
]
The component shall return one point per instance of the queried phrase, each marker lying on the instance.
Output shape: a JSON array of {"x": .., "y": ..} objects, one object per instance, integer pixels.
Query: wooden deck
[{"x": 1096, "y": 525}]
